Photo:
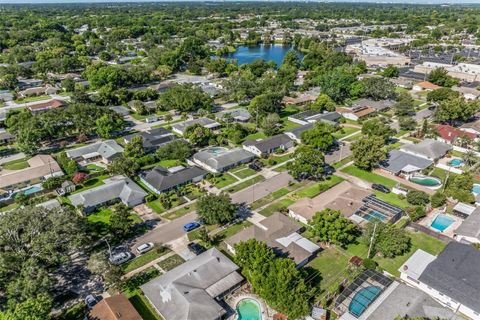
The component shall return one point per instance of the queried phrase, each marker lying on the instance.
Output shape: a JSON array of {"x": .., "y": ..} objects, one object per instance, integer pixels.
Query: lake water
[{"x": 246, "y": 54}]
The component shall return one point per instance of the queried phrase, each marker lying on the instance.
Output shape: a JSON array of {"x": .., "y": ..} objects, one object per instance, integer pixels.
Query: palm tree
[{"x": 470, "y": 158}]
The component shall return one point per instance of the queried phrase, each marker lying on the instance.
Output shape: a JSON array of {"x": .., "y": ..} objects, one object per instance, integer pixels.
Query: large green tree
[
  {"x": 185, "y": 98},
  {"x": 368, "y": 152},
  {"x": 198, "y": 135},
  {"x": 456, "y": 109},
  {"x": 216, "y": 209},
  {"x": 308, "y": 163},
  {"x": 377, "y": 128},
  {"x": 386, "y": 239},
  {"x": 331, "y": 226},
  {"x": 175, "y": 150},
  {"x": 320, "y": 136}
]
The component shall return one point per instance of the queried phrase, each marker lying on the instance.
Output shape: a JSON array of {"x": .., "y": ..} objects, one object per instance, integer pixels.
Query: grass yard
[
  {"x": 16, "y": 164},
  {"x": 180, "y": 212},
  {"x": 369, "y": 176},
  {"x": 157, "y": 206},
  {"x": 223, "y": 180},
  {"x": 171, "y": 262},
  {"x": 100, "y": 221},
  {"x": 244, "y": 173},
  {"x": 355, "y": 137},
  {"x": 32, "y": 99},
  {"x": 94, "y": 168},
  {"x": 274, "y": 160},
  {"x": 345, "y": 131},
  {"x": 277, "y": 206},
  {"x": 317, "y": 188},
  {"x": 392, "y": 198},
  {"x": 143, "y": 259},
  {"x": 342, "y": 162},
  {"x": 233, "y": 229},
  {"x": 288, "y": 125},
  {"x": 245, "y": 184},
  {"x": 91, "y": 183},
  {"x": 255, "y": 136},
  {"x": 9, "y": 207}
]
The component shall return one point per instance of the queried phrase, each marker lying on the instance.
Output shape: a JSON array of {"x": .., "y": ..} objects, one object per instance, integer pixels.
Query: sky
[{"x": 119, "y": 1}]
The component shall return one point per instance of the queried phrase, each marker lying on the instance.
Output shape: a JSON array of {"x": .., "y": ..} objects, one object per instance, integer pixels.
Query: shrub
[
  {"x": 53, "y": 182},
  {"x": 416, "y": 197},
  {"x": 369, "y": 264},
  {"x": 416, "y": 213},
  {"x": 150, "y": 197},
  {"x": 79, "y": 177},
  {"x": 438, "y": 199}
]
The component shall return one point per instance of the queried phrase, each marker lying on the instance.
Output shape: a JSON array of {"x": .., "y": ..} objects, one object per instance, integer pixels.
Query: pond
[{"x": 247, "y": 54}]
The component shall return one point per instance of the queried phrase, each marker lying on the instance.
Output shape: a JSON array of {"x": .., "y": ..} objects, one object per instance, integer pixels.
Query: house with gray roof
[
  {"x": 296, "y": 133},
  {"x": 399, "y": 162},
  {"x": 153, "y": 138},
  {"x": 280, "y": 233},
  {"x": 219, "y": 159},
  {"x": 195, "y": 289},
  {"x": 120, "y": 110},
  {"x": 204, "y": 122},
  {"x": 452, "y": 277},
  {"x": 265, "y": 147},
  {"x": 160, "y": 179},
  {"x": 469, "y": 230},
  {"x": 379, "y": 105},
  {"x": 114, "y": 189},
  {"x": 429, "y": 149},
  {"x": 238, "y": 114},
  {"x": 101, "y": 151},
  {"x": 311, "y": 116}
]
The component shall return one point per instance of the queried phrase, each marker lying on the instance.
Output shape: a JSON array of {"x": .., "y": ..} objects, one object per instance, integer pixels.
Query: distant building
[
  {"x": 428, "y": 149},
  {"x": 45, "y": 106},
  {"x": 153, "y": 138},
  {"x": 238, "y": 115},
  {"x": 462, "y": 71},
  {"x": 296, "y": 133},
  {"x": 356, "y": 113},
  {"x": 425, "y": 86},
  {"x": 204, "y": 122},
  {"x": 311, "y": 116},
  {"x": 452, "y": 135}
]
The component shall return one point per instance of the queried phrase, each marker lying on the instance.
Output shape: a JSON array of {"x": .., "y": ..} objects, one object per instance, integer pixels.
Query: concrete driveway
[
  {"x": 166, "y": 232},
  {"x": 262, "y": 189}
]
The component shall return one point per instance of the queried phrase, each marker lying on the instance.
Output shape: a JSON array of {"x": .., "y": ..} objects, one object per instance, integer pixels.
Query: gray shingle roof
[
  {"x": 239, "y": 114},
  {"x": 455, "y": 273},
  {"x": 161, "y": 179},
  {"x": 225, "y": 158},
  {"x": 204, "y": 122},
  {"x": 188, "y": 291},
  {"x": 270, "y": 143},
  {"x": 429, "y": 148},
  {"x": 470, "y": 227},
  {"x": 108, "y": 149},
  {"x": 153, "y": 138},
  {"x": 297, "y": 131},
  {"x": 398, "y": 160},
  {"x": 118, "y": 187}
]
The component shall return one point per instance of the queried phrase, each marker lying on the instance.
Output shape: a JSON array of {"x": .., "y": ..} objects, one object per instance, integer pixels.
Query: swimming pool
[
  {"x": 441, "y": 222},
  {"x": 372, "y": 215},
  {"x": 456, "y": 163},
  {"x": 216, "y": 150},
  {"x": 249, "y": 309},
  {"x": 362, "y": 299},
  {"x": 426, "y": 181},
  {"x": 476, "y": 189},
  {"x": 30, "y": 190}
]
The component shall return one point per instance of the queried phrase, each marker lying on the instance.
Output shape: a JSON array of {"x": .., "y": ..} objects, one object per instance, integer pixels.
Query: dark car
[
  {"x": 90, "y": 301},
  {"x": 254, "y": 166},
  {"x": 380, "y": 187},
  {"x": 191, "y": 226},
  {"x": 196, "y": 248}
]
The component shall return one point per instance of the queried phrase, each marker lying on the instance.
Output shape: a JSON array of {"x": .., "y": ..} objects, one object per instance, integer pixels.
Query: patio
[{"x": 449, "y": 231}]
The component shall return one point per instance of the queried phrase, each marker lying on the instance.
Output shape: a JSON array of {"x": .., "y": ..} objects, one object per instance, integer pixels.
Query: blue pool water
[
  {"x": 442, "y": 222},
  {"x": 374, "y": 215},
  {"x": 362, "y": 299},
  {"x": 249, "y": 309},
  {"x": 456, "y": 162},
  {"x": 476, "y": 188},
  {"x": 245, "y": 54},
  {"x": 31, "y": 190}
]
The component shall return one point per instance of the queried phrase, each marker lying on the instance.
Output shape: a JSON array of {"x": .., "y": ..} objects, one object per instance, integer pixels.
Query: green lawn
[
  {"x": 392, "y": 198},
  {"x": 233, "y": 229},
  {"x": 138, "y": 300},
  {"x": 317, "y": 188},
  {"x": 143, "y": 259},
  {"x": 276, "y": 159},
  {"x": 255, "y": 136},
  {"x": 94, "y": 168},
  {"x": 171, "y": 262},
  {"x": 245, "y": 184},
  {"x": 288, "y": 125},
  {"x": 225, "y": 179},
  {"x": 181, "y": 212},
  {"x": 345, "y": 131},
  {"x": 32, "y": 99},
  {"x": 244, "y": 173},
  {"x": 157, "y": 206},
  {"x": 100, "y": 221},
  {"x": 369, "y": 176},
  {"x": 270, "y": 198},
  {"x": 277, "y": 206},
  {"x": 355, "y": 137},
  {"x": 9, "y": 207},
  {"x": 342, "y": 162},
  {"x": 16, "y": 164},
  {"x": 91, "y": 183}
]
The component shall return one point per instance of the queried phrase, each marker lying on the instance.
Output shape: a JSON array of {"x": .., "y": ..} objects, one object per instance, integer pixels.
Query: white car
[
  {"x": 143, "y": 248},
  {"x": 120, "y": 258}
]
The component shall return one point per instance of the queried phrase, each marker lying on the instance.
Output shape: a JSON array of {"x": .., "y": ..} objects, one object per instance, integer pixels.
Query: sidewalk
[{"x": 148, "y": 265}]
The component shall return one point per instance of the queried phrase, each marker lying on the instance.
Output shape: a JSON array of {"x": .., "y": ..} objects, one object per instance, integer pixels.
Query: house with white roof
[{"x": 102, "y": 151}]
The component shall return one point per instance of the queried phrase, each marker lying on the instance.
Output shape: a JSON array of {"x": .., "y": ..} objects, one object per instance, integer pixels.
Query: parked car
[
  {"x": 191, "y": 226},
  {"x": 380, "y": 187},
  {"x": 120, "y": 258},
  {"x": 196, "y": 248},
  {"x": 143, "y": 248},
  {"x": 90, "y": 301},
  {"x": 257, "y": 166}
]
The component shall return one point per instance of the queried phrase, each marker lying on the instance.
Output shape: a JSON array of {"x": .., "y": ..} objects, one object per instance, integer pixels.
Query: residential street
[{"x": 262, "y": 189}]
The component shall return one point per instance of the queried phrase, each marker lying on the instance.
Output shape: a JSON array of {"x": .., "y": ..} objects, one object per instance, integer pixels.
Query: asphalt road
[{"x": 166, "y": 232}]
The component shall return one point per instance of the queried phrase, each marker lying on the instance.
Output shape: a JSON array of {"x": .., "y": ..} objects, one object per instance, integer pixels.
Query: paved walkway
[
  {"x": 148, "y": 265},
  {"x": 262, "y": 189}
]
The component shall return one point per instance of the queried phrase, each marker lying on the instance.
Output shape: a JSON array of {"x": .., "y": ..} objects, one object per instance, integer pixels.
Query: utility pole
[
  {"x": 372, "y": 239},
  {"x": 109, "y": 249}
]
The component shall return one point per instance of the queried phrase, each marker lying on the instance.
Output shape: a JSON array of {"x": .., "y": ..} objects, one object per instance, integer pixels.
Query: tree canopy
[{"x": 216, "y": 209}]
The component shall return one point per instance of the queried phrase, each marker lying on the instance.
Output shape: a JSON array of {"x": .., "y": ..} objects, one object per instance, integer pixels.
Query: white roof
[
  {"x": 300, "y": 241},
  {"x": 464, "y": 208},
  {"x": 416, "y": 264}
]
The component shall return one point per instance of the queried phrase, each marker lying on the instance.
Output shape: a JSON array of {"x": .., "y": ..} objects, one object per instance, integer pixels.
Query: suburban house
[
  {"x": 280, "y": 233},
  {"x": 377, "y": 105},
  {"x": 37, "y": 91},
  {"x": 45, "y": 106},
  {"x": 6, "y": 137},
  {"x": 218, "y": 159},
  {"x": 116, "y": 307},
  {"x": 452, "y": 135},
  {"x": 472, "y": 126},
  {"x": 134, "y": 104},
  {"x": 425, "y": 86},
  {"x": 311, "y": 116},
  {"x": 114, "y": 189},
  {"x": 300, "y": 100},
  {"x": 195, "y": 289},
  {"x": 160, "y": 179},
  {"x": 469, "y": 230},
  {"x": 238, "y": 115},
  {"x": 50, "y": 204},
  {"x": 428, "y": 149},
  {"x": 120, "y": 110},
  {"x": 296, "y": 133},
  {"x": 467, "y": 92},
  {"x": 204, "y": 122},
  {"x": 40, "y": 168},
  {"x": 402, "y": 163},
  {"x": 451, "y": 278},
  {"x": 153, "y": 138},
  {"x": 29, "y": 83},
  {"x": 101, "y": 151},
  {"x": 265, "y": 147},
  {"x": 356, "y": 113},
  {"x": 67, "y": 186}
]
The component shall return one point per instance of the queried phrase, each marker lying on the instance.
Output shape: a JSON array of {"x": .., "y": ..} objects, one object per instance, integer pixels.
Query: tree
[
  {"x": 264, "y": 104},
  {"x": 438, "y": 199},
  {"x": 271, "y": 124},
  {"x": 405, "y": 105},
  {"x": 378, "y": 88},
  {"x": 368, "y": 152},
  {"x": 460, "y": 188},
  {"x": 111, "y": 274},
  {"x": 440, "y": 77},
  {"x": 455, "y": 109},
  {"x": 388, "y": 240},
  {"x": 68, "y": 84},
  {"x": 198, "y": 134},
  {"x": 336, "y": 83},
  {"x": 441, "y": 94},
  {"x": 417, "y": 197},
  {"x": 184, "y": 98},
  {"x": 377, "y": 128},
  {"x": 391, "y": 71},
  {"x": 123, "y": 166},
  {"x": 79, "y": 177},
  {"x": 331, "y": 226},
  {"x": 107, "y": 125},
  {"x": 216, "y": 209},
  {"x": 320, "y": 136},
  {"x": 323, "y": 103},
  {"x": 407, "y": 123},
  {"x": 134, "y": 148},
  {"x": 120, "y": 221},
  {"x": 37, "y": 308},
  {"x": 175, "y": 150},
  {"x": 308, "y": 163}
]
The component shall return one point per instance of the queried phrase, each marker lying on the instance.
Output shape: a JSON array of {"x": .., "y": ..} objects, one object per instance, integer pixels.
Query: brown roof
[
  {"x": 302, "y": 98},
  {"x": 359, "y": 112},
  {"x": 427, "y": 85},
  {"x": 52, "y": 104},
  {"x": 114, "y": 308},
  {"x": 344, "y": 197}
]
